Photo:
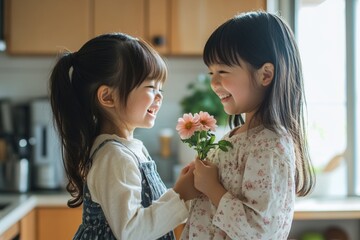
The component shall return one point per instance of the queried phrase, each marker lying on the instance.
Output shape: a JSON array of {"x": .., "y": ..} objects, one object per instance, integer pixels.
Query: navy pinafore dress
[{"x": 94, "y": 225}]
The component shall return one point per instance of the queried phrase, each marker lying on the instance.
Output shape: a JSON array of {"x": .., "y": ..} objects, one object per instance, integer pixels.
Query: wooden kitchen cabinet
[
  {"x": 157, "y": 25},
  {"x": 57, "y": 223},
  {"x": 45, "y": 27},
  {"x": 146, "y": 19},
  {"x": 173, "y": 27},
  {"x": 11, "y": 233},
  {"x": 40, "y": 27},
  {"x": 119, "y": 16},
  {"x": 192, "y": 22},
  {"x": 28, "y": 226},
  {"x": 23, "y": 229}
]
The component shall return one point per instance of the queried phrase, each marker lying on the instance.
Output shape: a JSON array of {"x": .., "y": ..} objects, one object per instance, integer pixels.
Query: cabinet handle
[{"x": 158, "y": 41}]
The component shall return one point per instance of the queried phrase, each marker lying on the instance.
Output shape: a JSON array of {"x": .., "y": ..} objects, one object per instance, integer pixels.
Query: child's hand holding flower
[{"x": 195, "y": 130}]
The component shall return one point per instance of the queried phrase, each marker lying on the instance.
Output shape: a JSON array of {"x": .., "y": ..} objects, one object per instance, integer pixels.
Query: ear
[
  {"x": 266, "y": 74},
  {"x": 105, "y": 96}
]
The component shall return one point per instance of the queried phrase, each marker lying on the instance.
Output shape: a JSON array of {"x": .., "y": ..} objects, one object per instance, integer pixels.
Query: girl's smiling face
[
  {"x": 238, "y": 87},
  {"x": 143, "y": 104}
]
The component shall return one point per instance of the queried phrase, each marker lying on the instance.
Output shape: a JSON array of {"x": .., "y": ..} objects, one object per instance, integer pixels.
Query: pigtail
[{"x": 66, "y": 112}]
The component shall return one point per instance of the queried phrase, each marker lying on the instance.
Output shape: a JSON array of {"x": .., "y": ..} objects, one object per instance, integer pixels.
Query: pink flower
[
  {"x": 196, "y": 132},
  {"x": 207, "y": 121},
  {"x": 188, "y": 125}
]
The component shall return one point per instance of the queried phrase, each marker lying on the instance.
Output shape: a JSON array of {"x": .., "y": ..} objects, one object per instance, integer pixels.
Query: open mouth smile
[
  {"x": 225, "y": 96},
  {"x": 152, "y": 111}
]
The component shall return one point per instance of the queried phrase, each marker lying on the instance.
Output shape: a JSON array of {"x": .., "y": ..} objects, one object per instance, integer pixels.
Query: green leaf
[
  {"x": 225, "y": 143},
  {"x": 223, "y": 148}
]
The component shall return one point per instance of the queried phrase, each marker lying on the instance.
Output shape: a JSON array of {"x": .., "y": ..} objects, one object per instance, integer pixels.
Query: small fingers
[{"x": 198, "y": 163}]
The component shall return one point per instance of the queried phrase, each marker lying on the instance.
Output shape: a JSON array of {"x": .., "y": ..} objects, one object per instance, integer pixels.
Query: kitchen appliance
[
  {"x": 14, "y": 175},
  {"x": 14, "y": 154},
  {"x": 47, "y": 166},
  {"x": 6, "y": 126}
]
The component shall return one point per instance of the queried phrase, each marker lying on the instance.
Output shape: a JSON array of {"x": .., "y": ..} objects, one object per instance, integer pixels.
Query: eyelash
[
  {"x": 219, "y": 72},
  {"x": 154, "y": 88}
]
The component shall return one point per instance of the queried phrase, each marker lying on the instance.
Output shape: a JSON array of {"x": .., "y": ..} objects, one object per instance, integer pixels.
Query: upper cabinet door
[
  {"x": 127, "y": 16},
  {"x": 146, "y": 19},
  {"x": 173, "y": 27},
  {"x": 46, "y": 26},
  {"x": 158, "y": 25},
  {"x": 192, "y": 22}
]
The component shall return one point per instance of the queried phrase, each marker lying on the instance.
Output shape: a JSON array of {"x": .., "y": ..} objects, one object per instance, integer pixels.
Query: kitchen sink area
[
  {"x": 13, "y": 207},
  {"x": 7, "y": 203},
  {"x": 7, "y": 200}
]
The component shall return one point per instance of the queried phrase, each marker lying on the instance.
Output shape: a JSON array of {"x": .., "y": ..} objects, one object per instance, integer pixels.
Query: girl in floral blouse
[{"x": 249, "y": 191}]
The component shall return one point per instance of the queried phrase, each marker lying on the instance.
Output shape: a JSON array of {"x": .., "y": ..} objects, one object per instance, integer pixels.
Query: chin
[
  {"x": 229, "y": 111},
  {"x": 149, "y": 125}
]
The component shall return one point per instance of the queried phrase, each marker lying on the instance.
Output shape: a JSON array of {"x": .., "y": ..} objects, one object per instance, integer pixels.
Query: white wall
[
  {"x": 25, "y": 78},
  {"x": 22, "y": 78}
]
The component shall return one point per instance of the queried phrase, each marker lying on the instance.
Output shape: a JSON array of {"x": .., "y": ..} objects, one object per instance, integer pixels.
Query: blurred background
[{"x": 33, "y": 32}]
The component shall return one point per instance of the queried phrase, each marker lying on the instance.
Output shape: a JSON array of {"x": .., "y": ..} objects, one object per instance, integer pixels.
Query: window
[
  {"x": 321, "y": 35},
  {"x": 357, "y": 95}
]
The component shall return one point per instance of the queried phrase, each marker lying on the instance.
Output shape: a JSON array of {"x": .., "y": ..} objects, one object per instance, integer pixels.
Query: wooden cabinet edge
[
  {"x": 28, "y": 226},
  {"x": 11, "y": 233}
]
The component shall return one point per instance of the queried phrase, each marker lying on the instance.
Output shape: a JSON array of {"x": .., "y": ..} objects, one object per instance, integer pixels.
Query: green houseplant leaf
[{"x": 202, "y": 98}]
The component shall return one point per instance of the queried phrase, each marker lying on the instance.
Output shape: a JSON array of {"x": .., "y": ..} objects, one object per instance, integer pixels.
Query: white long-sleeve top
[{"x": 114, "y": 182}]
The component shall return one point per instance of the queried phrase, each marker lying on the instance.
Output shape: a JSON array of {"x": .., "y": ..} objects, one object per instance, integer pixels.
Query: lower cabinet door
[{"x": 57, "y": 223}]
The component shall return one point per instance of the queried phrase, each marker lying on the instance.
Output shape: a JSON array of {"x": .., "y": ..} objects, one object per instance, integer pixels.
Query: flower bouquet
[{"x": 196, "y": 131}]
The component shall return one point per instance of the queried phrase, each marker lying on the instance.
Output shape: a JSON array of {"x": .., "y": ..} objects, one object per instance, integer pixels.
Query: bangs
[
  {"x": 138, "y": 62},
  {"x": 157, "y": 69},
  {"x": 221, "y": 48},
  {"x": 152, "y": 65}
]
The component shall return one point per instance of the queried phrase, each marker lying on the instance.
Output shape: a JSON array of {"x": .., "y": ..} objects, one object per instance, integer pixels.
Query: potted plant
[{"x": 202, "y": 98}]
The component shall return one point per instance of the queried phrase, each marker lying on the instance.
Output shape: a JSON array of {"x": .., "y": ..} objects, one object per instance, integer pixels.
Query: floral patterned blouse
[{"x": 259, "y": 176}]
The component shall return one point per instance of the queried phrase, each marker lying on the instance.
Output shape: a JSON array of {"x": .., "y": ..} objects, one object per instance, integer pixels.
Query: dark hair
[
  {"x": 116, "y": 60},
  {"x": 258, "y": 38}
]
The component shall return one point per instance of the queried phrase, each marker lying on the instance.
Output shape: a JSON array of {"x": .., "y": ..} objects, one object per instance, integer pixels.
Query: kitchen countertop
[
  {"x": 305, "y": 208},
  {"x": 18, "y": 205},
  {"x": 326, "y": 209}
]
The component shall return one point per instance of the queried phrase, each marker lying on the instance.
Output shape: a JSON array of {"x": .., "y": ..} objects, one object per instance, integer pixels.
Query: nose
[
  {"x": 158, "y": 96},
  {"x": 215, "y": 81}
]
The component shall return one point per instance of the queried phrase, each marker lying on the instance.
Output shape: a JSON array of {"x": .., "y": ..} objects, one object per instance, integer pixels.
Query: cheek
[
  {"x": 238, "y": 89},
  {"x": 244, "y": 95},
  {"x": 147, "y": 99}
]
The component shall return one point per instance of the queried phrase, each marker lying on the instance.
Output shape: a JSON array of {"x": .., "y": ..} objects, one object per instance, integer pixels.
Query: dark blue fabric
[{"x": 94, "y": 225}]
